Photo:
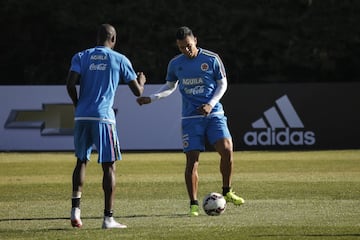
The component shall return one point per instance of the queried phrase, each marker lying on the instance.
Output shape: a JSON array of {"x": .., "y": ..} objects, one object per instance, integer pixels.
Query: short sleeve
[
  {"x": 219, "y": 68},
  {"x": 170, "y": 75},
  {"x": 127, "y": 72},
  {"x": 76, "y": 63}
]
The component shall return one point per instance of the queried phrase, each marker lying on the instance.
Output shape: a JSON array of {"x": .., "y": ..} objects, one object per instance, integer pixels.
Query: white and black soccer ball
[{"x": 214, "y": 204}]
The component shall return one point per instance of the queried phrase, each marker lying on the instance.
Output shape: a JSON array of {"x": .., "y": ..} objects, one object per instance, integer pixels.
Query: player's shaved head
[
  {"x": 183, "y": 32},
  {"x": 106, "y": 33}
]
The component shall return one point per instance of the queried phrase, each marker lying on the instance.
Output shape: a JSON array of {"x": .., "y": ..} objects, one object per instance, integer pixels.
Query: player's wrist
[
  {"x": 141, "y": 83},
  {"x": 154, "y": 97},
  {"x": 212, "y": 103}
]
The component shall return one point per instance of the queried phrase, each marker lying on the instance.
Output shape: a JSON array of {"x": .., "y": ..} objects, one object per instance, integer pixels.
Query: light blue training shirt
[
  {"x": 101, "y": 70},
  {"x": 197, "y": 80}
]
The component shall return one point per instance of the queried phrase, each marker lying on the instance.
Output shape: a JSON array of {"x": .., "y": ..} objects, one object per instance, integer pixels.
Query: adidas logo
[{"x": 280, "y": 125}]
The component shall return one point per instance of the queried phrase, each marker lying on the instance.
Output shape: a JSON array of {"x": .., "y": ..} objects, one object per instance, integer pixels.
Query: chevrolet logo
[{"x": 53, "y": 119}]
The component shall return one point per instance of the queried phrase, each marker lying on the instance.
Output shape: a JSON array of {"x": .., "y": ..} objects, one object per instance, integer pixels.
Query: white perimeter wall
[{"x": 150, "y": 127}]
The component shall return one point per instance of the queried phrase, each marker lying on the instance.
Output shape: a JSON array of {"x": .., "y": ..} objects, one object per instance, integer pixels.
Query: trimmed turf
[{"x": 289, "y": 195}]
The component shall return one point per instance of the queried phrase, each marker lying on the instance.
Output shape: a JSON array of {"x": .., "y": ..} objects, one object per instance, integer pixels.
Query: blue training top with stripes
[{"x": 197, "y": 79}]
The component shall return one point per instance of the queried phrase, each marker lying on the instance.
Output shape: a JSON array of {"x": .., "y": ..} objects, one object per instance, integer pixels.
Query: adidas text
[{"x": 283, "y": 137}]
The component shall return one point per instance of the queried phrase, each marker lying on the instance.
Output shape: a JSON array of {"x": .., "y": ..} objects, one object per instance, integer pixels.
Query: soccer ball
[{"x": 214, "y": 204}]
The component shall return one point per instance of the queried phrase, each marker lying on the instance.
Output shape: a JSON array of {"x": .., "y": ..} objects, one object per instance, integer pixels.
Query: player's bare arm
[
  {"x": 137, "y": 86},
  {"x": 71, "y": 81}
]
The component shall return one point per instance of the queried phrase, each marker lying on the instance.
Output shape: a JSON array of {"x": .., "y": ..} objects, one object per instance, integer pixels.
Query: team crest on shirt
[{"x": 204, "y": 67}]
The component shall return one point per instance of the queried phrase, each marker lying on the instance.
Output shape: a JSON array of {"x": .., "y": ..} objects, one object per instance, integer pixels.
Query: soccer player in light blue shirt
[
  {"x": 101, "y": 69},
  {"x": 98, "y": 71},
  {"x": 201, "y": 77}
]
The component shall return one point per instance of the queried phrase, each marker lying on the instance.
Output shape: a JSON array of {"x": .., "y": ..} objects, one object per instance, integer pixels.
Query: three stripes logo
[{"x": 280, "y": 125}]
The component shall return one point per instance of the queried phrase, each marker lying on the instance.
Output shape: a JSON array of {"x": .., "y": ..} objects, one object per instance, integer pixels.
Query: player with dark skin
[{"x": 107, "y": 38}]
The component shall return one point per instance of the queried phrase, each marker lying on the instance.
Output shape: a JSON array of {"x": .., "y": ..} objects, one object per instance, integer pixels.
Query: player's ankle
[
  {"x": 226, "y": 190},
  {"x": 75, "y": 199},
  {"x": 108, "y": 213}
]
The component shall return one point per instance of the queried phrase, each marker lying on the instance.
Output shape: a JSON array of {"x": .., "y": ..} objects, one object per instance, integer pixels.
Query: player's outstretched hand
[{"x": 143, "y": 100}]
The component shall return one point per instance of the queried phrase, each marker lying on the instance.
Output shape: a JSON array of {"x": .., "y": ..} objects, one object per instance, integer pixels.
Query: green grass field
[{"x": 289, "y": 195}]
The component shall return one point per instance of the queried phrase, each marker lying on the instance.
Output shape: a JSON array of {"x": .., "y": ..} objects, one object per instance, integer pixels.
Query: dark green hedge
[{"x": 258, "y": 40}]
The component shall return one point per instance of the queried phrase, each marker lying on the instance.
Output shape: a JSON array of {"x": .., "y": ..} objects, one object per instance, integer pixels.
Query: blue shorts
[
  {"x": 103, "y": 135},
  {"x": 195, "y": 131}
]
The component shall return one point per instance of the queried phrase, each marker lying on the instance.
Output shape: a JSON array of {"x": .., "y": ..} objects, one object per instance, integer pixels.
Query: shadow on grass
[{"x": 68, "y": 218}]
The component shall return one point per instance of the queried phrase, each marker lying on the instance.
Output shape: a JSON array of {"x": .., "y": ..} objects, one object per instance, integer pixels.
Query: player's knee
[{"x": 224, "y": 146}]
